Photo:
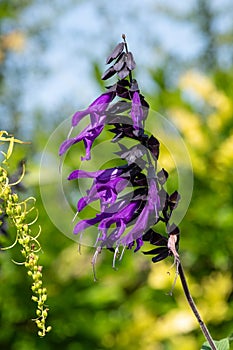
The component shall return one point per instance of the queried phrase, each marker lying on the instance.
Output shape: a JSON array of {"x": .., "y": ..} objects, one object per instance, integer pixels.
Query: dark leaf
[
  {"x": 174, "y": 200},
  {"x": 139, "y": 180},
  {"x": 143, "y": 102},
  {"x": 156, "y": 251},
  {"x": 163, "y": 195},
  {"x": 173, "y": 229},
  {"x": 130, "y": 61},
  {"x": 122, "y": 89},
  {"x": 153, "y": 145},
  {"x": 162, "y": 176},
  {"x": 108, "y": 73},
  {"x": 111, "y": 249},
  {"x": 111, "y": 88},
  {"x": 160, "y": 256},
  {"x": 120, "y": 62},
  {"x": 155, "y": 238},
  {"x": 133, "y": 154},
  {"x": 118, "y": 120},
  {"x": 134, "y": 86},
  {"x": 123, "y": 83},
  {"x": 119, "y": 107},
  {"x": 115, "y": 53},
  {"x": 123, "y": 73}
]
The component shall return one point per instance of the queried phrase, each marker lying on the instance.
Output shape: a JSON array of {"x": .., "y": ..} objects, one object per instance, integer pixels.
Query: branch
[{"x": 190, "y": 300}]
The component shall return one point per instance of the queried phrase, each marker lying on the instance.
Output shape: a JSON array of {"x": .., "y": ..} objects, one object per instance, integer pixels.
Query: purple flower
[
  {"x": 102, "y": 175},
  {"x": 97, "y": 107},
  {"x": 148, "y": 216},
  {"x": 94, "y": 129},
  {"x": 119, "y": 214},
  {"x": 137, "y": 111},
  {"x": 125, "y": 219},
  {"x": 88, "y": 136},
  {"x": 106, "y": 186},
  {"x": 105, "y": 192},
  {"x": 120, "y": 218}
]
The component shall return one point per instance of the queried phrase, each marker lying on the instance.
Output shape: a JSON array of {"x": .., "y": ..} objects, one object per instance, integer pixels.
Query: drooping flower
[
  {"x": 97, "y": 107},
  {"x": 120, "y": 218},
  {"x": 97, "y": 120},
  {"x": 125, "y": 219},
  {"x": 148, "y": 217},
  {"x": 119, "y": 215},
  {"x": 88, "y": 136},
  {"x": 105, "y": 192},
  {"x": 106, "y": 186}
]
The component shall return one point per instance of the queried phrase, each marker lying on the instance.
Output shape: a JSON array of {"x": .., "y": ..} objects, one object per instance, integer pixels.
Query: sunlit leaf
[{"x": 222, "y": 344}]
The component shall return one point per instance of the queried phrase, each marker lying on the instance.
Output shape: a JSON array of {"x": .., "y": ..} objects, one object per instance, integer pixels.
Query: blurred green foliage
[{"x": 130, "y": 308}]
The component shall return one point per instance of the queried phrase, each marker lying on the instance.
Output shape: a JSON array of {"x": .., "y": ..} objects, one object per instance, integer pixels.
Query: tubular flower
[
  {"x": 106, "y": 185},
  {"x": 97, "y": 107},
  {"x": 88, "y": 136},
  {"x": 97, "y": 117},
  {"x": 125, "y": 220},
  {"x": 149, "y": 215}
]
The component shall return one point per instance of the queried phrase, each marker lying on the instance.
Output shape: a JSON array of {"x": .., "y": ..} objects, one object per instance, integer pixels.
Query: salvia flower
[
  {"x": 106, "y": 185},
  {"x": 96, "y": 108},
  {"x": 88, "y": 136},
  {"x": 97, "y": 119},
  {"x": 125, "y": 219},
  {"x": 148, "y": 217}
]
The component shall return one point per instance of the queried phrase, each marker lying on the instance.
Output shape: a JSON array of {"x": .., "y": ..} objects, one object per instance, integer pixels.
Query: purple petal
[
  {"x": 103, "y": 99},
  {"x": 65, "y": 145},
  {"x": 82, "y": 225},
  {"x": 147, "y": 217},
  {"x": 99, "y": 105},
  {"x": 79, "y": 116},
  {"x": 109, "y": 174},
  {"x": 136, "y": 111},
  {"x": 92, "y": 196},
  {"x": 82, "y": 203},
  {"x": 139, "y": 243},
  {"x": 69, "y": 142},
  {"x": 138, "y": 229},
  {"x": 77, "y": 174},
  {"x": 125, "y": 214},
  {"x": 89, "y": 138}
]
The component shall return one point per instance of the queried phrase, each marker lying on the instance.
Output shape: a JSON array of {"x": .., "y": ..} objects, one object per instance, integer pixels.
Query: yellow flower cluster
[{"x": 17, "y": 213}]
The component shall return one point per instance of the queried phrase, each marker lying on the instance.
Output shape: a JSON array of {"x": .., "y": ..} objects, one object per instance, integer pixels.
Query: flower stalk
[
  {"x": 17, "y": 212},
  {"x": 128, "y": 220},
  {"x": 193, "y": 306}
]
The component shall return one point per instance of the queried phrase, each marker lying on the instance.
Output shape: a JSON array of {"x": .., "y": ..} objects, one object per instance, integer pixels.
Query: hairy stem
[{"x": 190, "y": 300}]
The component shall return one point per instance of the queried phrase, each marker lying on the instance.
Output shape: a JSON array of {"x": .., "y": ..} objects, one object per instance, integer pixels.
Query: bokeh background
[{"x": 52, "y": 55}]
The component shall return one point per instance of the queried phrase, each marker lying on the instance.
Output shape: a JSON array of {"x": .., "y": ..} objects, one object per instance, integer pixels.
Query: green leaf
[{"x": 222, "y": 344}]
